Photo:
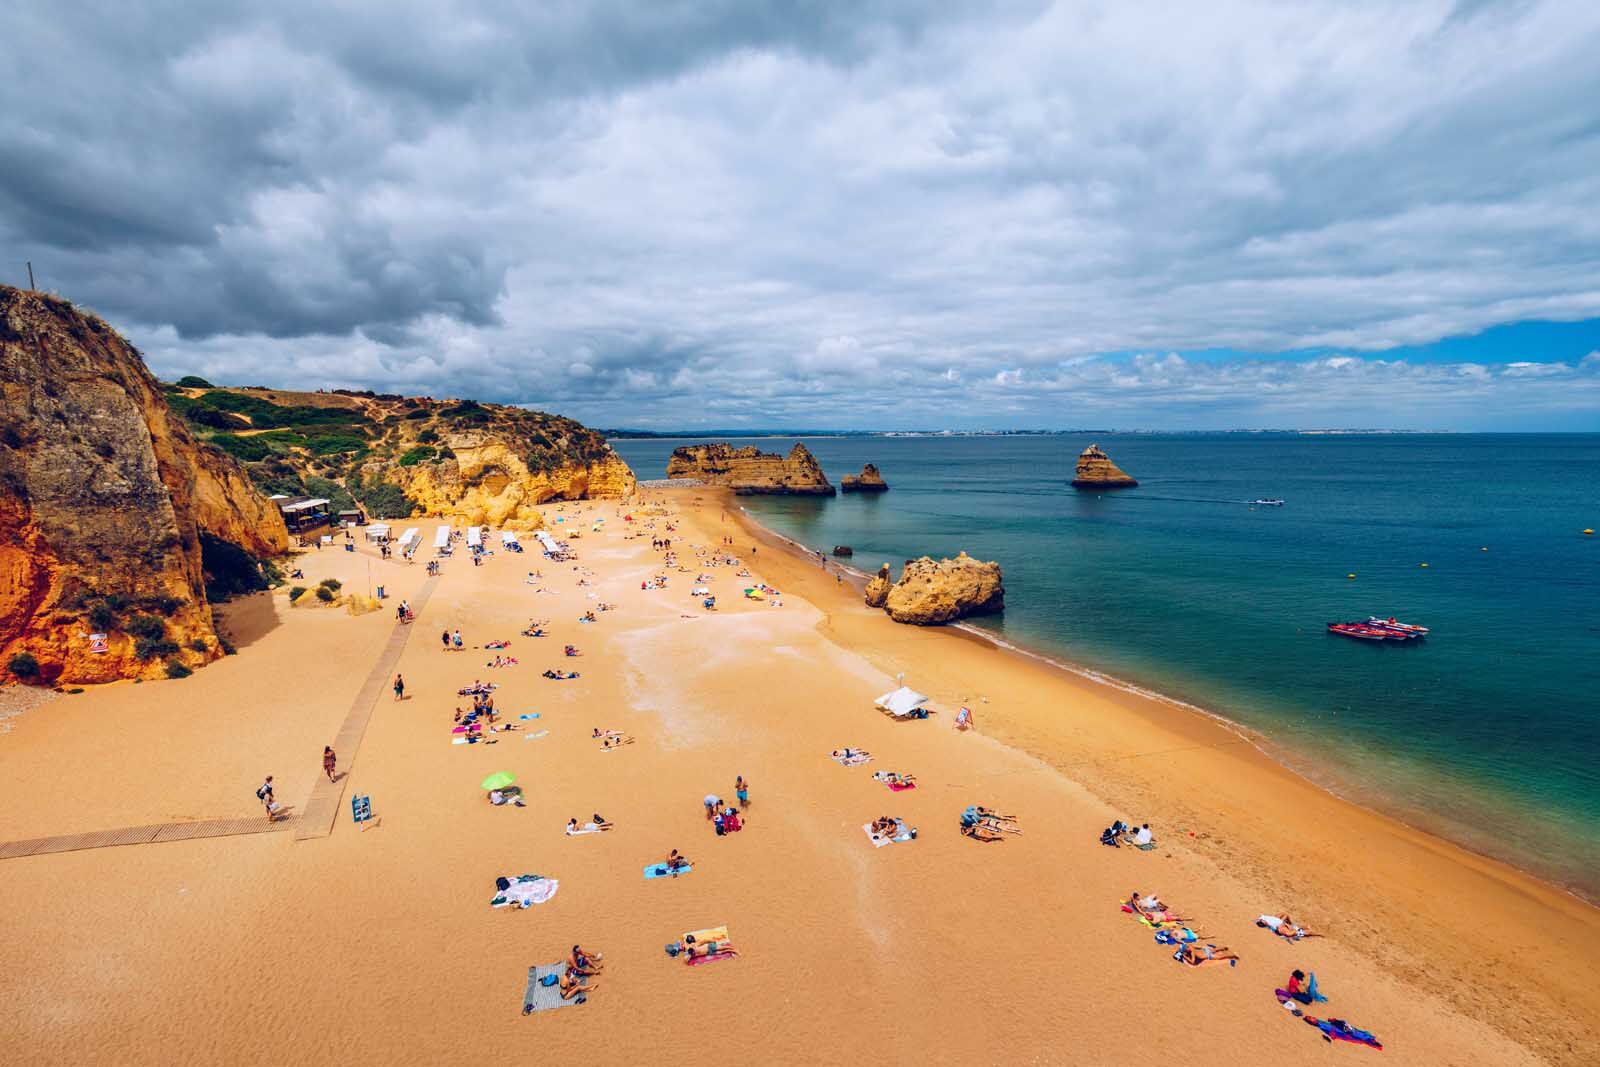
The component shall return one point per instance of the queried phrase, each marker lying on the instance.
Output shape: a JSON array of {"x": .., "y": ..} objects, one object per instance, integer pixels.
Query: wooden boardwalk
[{"x": 314, "y": 819}]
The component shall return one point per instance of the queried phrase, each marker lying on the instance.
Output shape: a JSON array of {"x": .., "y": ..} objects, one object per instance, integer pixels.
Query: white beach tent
[
  {"x": 409, "y": 539},
  {"x": 378, "y": 531},
  {"x": 474, "y": 536},
  {"x": 507, "y": 538},
  {"x": 901, "y": 702},
  {"x": 441, "y": 538},
  {"x": 549, "y": 543}
]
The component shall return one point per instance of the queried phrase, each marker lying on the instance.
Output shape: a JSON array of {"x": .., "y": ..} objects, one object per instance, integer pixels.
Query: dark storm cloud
[{"x": 824, "y": 213}]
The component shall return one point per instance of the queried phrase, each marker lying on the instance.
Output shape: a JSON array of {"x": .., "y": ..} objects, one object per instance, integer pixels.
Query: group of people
[
  {"x": 982, "y": 824},
  {"x": 1120, "y": 833},
  {"x": 451, "y": 642}
]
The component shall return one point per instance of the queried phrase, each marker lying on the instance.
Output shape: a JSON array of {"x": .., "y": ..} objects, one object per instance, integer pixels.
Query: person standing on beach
[
  {"x": 455, "y": 640},
  {"x": 329, "y": 762},
  {"x": 399, "y": 687},
  {"x": 712, "y": 803},
  {"x": 741, "y": 789}
]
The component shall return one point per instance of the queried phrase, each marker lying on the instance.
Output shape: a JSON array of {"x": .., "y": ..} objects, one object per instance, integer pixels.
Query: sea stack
[
  {"x": 868, "y": 481},
  {"x": 1096, "y": 471},
  {"x": 750, "y": 471},
  {"x": 932, "y": 591}
]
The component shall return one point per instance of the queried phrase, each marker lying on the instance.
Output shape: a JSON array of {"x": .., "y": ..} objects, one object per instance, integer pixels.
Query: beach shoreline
[{"x": 1285, "y": 755}]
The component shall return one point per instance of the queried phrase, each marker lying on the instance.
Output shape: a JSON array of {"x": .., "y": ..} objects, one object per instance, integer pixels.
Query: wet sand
[{"x": 379, "y": 945}]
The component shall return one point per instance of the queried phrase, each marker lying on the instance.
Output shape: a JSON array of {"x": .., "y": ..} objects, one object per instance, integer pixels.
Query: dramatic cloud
[{"x": 851, "y": 214}]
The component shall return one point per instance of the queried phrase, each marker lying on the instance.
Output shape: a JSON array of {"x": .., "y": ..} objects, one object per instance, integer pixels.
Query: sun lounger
[
  {"x": 661, "y": 870},
  {"x": 541, "y": 997}
]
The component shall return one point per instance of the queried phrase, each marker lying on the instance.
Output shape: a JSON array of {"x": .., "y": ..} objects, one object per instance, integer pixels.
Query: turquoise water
[{"x": 1487, "y": 732}]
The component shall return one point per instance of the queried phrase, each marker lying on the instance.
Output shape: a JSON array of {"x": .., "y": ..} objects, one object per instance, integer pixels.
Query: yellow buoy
[
  {"x": 1422, "y": 564},
  {"x": 1588, "y": 533},
  {"x": 1349, "y": 576},
  {"x": 1485, "y": 548}
]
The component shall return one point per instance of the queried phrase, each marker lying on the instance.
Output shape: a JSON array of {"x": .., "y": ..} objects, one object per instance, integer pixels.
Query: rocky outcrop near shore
[
  {"x": 933, "y": 591},
  {"x": 114, "y": 516},
  {"x": 1096, "y": 471},
  {"x": 749, "y": 470},
  {"x": 868, "y": 481}
]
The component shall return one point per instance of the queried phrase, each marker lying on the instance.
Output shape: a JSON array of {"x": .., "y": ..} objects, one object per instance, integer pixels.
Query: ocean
[{"x": 1486, "y": 732}]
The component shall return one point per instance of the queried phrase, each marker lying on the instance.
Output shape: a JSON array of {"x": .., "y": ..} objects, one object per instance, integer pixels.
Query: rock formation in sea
[
  {"x": 407, "y": 457},
  {"x": 933, "y": 591},
  {"x": 868, "y": 481},
  {"x": 1096, "y": 471},
  {"x": 749, "y": 470},
  {"x": 115, "y": 518},
  {"x": 878, "y": 586}
]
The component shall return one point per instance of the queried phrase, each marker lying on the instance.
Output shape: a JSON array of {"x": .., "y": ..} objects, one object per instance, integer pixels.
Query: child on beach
[
  {"x": 329, "y": 762},
  {"x": 399, "y": 687}
]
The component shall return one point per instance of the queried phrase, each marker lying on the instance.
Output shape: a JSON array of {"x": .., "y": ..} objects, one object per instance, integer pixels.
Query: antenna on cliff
[{"x": 30, "y": 275}]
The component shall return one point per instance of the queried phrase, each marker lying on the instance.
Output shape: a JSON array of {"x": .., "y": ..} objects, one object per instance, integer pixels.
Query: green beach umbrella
[{"x": 499, "y": 780}]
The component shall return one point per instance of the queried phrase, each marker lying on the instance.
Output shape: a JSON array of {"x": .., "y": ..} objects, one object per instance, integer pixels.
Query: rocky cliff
[
  {"x": 749, "y": 470},
  {"x": 113, "y": 515},
  {"x": 868, "y": 481},
  {"x": 407, "y": 457},
  {"x": 933, "y": 591},
  {"x": 1096, "y": 471}
]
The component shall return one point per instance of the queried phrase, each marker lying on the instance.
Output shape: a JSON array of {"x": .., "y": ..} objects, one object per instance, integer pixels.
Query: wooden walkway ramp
[{"x": 314, "y": 819}]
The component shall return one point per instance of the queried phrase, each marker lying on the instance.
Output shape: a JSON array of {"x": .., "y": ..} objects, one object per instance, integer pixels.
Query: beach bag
[
  {"x": 549, "y": 980},
  {"x": 502, "y": 883}
]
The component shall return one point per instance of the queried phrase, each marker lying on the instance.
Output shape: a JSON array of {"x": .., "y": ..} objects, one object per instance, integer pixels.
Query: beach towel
[
  {"x": 717, "y": 934},
  {"x": 660, "y": 870},
  {"x": 1339, "y": 1030},
  {"x": 902, "y": 833},
  {"x": 536, "y": 736},
  {"x": 526, "y": 891},
  {"x": 897, "y": 787},
  {"x": 540, "y": 997},
  {"x": 530, "y": 715},
  {"x": 1146, "y": 847},
  {"x": 586, "y": 828}
]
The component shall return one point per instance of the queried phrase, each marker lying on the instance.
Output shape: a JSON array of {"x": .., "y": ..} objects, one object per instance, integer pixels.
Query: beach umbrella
[{"x": 499, "y": 780}]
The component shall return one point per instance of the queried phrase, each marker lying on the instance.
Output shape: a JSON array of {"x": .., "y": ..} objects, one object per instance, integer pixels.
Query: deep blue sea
[{"x": 1487, "y": 731}]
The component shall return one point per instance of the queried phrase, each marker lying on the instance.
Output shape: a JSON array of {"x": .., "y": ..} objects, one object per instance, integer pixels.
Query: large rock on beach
[
  {"x": 750, "y": 471},
  {"x": 878, "y": 586},
  {"x": 1096, "y": 471},
  {"x": 113, "y": 514},
  {"x": 868, "y": 481},
  {"x": 934, "y": 591}
]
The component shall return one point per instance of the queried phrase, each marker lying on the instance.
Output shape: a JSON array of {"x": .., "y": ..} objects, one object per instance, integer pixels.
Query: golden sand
[{"x": 379, "y": 945}]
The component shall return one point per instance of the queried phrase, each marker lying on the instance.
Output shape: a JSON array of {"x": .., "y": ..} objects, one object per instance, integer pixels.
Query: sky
[{"x": 856, "y": 215}]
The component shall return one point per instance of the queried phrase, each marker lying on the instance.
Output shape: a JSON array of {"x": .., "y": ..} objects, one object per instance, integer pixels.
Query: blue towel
[
  {"x": 659, "y": 870},
  {"x": 533, "y": 715},
  {"x": 1311, "y": 988}
]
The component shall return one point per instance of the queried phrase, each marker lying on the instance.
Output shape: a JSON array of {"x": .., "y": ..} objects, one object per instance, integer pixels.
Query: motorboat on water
[
  {"x": 1376, "y": 629},
  {"x": 1267, "y": 503},
  {"x": 1394, "y": 624}
]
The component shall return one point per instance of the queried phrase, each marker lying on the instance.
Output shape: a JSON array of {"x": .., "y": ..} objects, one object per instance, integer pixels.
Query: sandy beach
[{"x": 379, "y": 945}]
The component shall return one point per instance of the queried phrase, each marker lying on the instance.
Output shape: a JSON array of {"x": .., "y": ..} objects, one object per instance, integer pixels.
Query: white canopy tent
[
  {"x": 378, "y": 531},
  {"x": 508, "y": 538},
  {"x": 409, "y": 539},
  {"x": 474, "y": 536},
  {"x": 550, "y": 543},
  {"x": 441, "y": 538},
  {"x": 901, "y": 702}
]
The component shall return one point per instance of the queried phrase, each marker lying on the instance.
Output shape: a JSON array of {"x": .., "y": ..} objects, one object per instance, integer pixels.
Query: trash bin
[{"x": 380, "y": 592}]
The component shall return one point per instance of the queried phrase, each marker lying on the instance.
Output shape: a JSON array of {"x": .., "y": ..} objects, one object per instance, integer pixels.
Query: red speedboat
[{"x": 1362, "y": 632}]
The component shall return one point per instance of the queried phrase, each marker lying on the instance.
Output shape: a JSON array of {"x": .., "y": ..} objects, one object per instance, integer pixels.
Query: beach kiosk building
[{"x": 302, "y": 512}]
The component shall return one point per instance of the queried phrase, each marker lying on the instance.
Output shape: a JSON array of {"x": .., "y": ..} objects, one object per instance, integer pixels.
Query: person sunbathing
[
  {"x": 572, "y": 650},
  {"x": 616, "y": 742},
  {"x": 560, "y": 676},
  {"x": 600, "y": 822},
  {"x": 1196, "y": 954},
  {"x": 573, "y": 984},
  {"x": 693, "y": 948},
  {"x": 533, "y": 632},
  {"x": 981, "y": 832},
  {"x": 1285, "y": 927},
  {"x": 583, "y": 963},
  {"x": 588, "y": 616},
  {"x": 599, "y": 733},
  {"x": 885, "y": 825},
  {"x": 676, "y": 861},
  {"x": 849, "y": 753}
]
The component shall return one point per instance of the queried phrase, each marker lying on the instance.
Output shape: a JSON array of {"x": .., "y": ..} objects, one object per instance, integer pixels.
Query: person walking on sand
[
  {"x": 264, "y": 794},
  {"x": 444, "y": 640},
  {"x": 330, "y": 762},
  {"x": 741, "y": 789},
  {"x": 455, "y": 639},
  {"x": 399, "y": 687}
]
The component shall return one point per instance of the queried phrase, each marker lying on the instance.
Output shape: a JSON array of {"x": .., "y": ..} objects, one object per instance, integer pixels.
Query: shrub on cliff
[
  {"x": 175, "y": 669},
  {"x": 384, "y": 501},
  {"x": 145, "y": 626},
  {"x": 416, "y": 455},
  {"x": 101, "y": 617},
  {"x": 24, "y": 666},
  {"x": 295, "y": 591},
  {"x": 229, "y": 569},
  {"x": 194, "y": 381},
  {"x": 152, "y": 647},
  {"x": 248, "y": 449},
  {"x": 325, "y": 594}
]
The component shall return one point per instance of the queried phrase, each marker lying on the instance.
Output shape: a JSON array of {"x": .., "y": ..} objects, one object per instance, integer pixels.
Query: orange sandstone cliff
[
  {"x": 113, "y": 515},
  {"x": 749, "y": 470},
  {"x": 1096, "y": 471},
  {"x": 868, "y": 481}
]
